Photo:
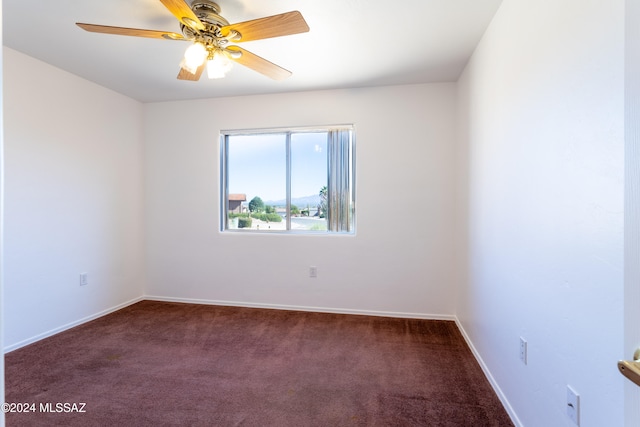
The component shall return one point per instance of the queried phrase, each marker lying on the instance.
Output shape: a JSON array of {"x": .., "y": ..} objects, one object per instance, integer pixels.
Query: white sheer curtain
[{"x": 341, "y": 203}]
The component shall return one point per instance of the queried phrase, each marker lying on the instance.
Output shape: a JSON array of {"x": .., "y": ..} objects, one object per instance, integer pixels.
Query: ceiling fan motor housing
[{"x": 208, "y": 13}]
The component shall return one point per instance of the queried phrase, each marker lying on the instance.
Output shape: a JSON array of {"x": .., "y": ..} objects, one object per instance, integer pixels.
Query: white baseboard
[
  {"x": 487, "y": 373},
  {"x": 70, "y": 325},
  {"x": 304, "y": 308}
]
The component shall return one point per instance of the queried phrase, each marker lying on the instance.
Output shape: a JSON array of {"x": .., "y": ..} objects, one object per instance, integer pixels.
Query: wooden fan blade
[
  {"x": 183, "y": 12},
  {"x": 186, "y": 75},
  {"x": 136, "y": 32},
  {"x": 259, "y": 64},
  {"x": 271, "y": 26}
]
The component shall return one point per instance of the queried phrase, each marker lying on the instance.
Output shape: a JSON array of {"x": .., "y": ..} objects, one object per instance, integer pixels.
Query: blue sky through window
[{"x": 257, "y": 165}]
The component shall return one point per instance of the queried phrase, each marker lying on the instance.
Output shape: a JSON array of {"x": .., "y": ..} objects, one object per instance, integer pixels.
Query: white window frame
[{"x": 341, "y": 185}]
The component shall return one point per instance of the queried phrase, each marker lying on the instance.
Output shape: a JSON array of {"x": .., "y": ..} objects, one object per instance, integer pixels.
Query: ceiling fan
[{"x": 211, "y": 36}]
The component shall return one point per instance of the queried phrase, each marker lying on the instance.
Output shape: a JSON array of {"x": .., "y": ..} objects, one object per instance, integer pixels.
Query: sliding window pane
[
  {"x": 309, "y": 181},
  {"x": 257, "y": 181}
]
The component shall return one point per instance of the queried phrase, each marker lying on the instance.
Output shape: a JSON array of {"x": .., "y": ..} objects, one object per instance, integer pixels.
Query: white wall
[
  {"x": 542, "y": 121},
  {"x": 399, "y": 262},
  {"x": 73, "y": 199},
  {"x": 632, "y": 202}
]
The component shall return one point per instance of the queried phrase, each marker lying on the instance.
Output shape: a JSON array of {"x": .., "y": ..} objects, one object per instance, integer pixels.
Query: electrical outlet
[
  {"x": 573, "y": 405},
  {"x": 313, "y": 272},
  {"x": 84, "y": 279},
  {"x": 523, "y": 350}
]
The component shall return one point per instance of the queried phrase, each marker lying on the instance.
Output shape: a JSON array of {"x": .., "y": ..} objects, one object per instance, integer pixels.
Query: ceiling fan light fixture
[
  {"x": 218, "y": 65},
  {"x": 194, "y": 57}
]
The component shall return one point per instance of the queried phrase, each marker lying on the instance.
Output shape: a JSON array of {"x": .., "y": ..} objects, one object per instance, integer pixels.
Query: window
[{"x": 288, "y": 180}]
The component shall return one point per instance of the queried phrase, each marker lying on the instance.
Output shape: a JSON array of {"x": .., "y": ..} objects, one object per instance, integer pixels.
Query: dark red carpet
[{"x": 169, "y": 364}]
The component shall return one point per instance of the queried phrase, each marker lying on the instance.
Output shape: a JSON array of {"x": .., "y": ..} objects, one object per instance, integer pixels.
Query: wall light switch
[
  {"x": 313, "y": 271},
  {"x": 84, "y": 279}
]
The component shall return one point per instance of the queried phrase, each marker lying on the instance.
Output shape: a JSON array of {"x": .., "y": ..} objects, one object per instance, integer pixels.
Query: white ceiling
[{"x": 351, "y": 43}]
